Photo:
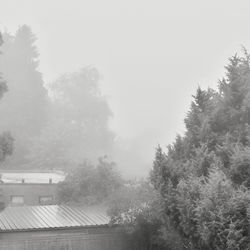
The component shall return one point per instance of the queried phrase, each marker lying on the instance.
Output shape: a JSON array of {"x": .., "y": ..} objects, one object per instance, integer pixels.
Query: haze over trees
[
  {"x": 62, "y": 123},
  {"x": 198, "y": 192},
  {"x": 77, "y": 128},
  {"x": 25, "y": 104},
  {"x": 203, "y": 179},
  {"x": 55, "y": 125}
]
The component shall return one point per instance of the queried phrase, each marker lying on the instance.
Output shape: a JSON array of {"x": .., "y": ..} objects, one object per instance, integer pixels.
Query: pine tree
[
  {"x": 157, "y": 173},
  {"x": 25, "y": 105},
  {"x": 209, "y": 167}
]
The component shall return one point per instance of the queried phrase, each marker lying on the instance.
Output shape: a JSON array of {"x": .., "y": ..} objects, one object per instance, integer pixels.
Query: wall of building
[
  {"x": 66, "y": 239},
  {"x": 30, "y": 192}
]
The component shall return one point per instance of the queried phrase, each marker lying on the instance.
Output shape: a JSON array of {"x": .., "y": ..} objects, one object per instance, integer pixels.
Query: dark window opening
[{"x": 46, "y": 200}]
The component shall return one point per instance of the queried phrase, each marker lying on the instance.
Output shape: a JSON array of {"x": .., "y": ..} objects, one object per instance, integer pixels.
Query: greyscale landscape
[{"x": 125, "y": 125}]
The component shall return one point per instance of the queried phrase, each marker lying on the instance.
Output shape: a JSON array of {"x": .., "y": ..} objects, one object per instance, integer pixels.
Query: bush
[{"x": 89, "y": 184}]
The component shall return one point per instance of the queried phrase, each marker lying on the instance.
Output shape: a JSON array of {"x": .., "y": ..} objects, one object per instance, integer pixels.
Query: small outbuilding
[
  {"x": 56, "y": 227},
  {"x": 26, "y": 187}
]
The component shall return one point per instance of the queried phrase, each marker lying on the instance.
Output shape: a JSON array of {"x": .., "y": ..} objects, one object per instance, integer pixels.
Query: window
[
  {"x": 45, "y": 200},
  {"x": 17, "y": 200}
]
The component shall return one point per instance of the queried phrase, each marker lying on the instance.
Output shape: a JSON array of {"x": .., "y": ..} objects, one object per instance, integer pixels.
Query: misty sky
[{"x": 152, "y": 54}]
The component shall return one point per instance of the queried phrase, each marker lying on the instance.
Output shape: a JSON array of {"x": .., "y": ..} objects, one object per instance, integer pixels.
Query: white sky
[{"x": 152, "y": 54}]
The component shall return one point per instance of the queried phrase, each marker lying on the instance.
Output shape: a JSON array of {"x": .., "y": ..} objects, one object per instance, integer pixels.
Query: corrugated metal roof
[{"x": 51, "y": 217}]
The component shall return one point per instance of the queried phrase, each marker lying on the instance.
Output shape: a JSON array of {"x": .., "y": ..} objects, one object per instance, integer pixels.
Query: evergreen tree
[
  {"x": 206, "y": 172},
  {"x": 157, "y": 173},
  {"x": 25, "y": 105}
]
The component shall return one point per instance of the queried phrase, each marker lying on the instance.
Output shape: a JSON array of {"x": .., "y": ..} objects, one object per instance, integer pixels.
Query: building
[
  {"x": 19, "y": 188},
  {"x": 57, "y": 227}
]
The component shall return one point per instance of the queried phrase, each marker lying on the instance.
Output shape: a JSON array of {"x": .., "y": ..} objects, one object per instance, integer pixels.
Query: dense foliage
[
  {"x": 90, "y": 184},
  {"x": 199, "y": 197},
  {"x": 138, "y": 207},
  {"x": 204, "y": 177}
]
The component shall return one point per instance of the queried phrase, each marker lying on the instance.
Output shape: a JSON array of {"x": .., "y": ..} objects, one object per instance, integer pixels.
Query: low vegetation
[{"x": 90, "y": 184}]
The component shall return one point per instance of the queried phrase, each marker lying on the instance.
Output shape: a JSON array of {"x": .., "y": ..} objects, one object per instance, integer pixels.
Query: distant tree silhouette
[
  {"x": 25, "y": 105},
  {"x": 78, "y": 123}
]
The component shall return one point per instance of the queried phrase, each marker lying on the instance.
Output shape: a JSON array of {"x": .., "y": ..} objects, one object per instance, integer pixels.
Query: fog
[{"x": 150, "y": 57}]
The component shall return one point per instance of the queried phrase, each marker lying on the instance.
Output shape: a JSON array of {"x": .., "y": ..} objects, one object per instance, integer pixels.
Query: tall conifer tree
[{"x": 25, "y": 105}]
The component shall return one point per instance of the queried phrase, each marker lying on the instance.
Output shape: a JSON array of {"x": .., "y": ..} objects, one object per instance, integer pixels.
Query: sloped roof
[{"x": 28, "y": 218}]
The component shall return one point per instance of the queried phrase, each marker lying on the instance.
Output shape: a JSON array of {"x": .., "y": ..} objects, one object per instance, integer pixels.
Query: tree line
[
  {"x": 55, "y": 125},
  {"x": 197, "y": 194}
]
